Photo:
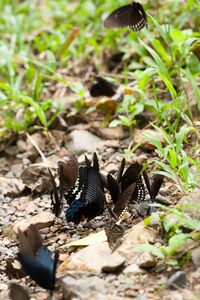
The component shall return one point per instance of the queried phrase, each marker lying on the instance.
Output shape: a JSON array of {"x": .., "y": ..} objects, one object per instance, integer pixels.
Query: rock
[
  {"x": 143, "y": 209},
  {"x": 146, "y": 260},
  {"x": 178, "y": 279},
  {"x": 113, "y": 262},
  {"x": 36, "y": 176},
  {"x": 110, "y": 133},
  {"x": 142, "y": 159},
  {"x": 7, "y": 231},
  {"x": 191, "y": 198},
  {"x": 91, "y": 259},
  {"x": 195, "y": 256},
  {"x": 134, "y": 269},
  {"x": 80, "y": 141},
  {"x": 138, "y": 136},
  {"x": 42, "y": 220},
  {"x": 163, "y": 200},
  {"x": 111, "y": 168},
  {"x": 87, "y": 288},
  {"x": 84, "y": 288},
  {"x": 31, "y": 207},
  {"x": 137, "y": 235},
  {"x": 187, "y": 294}
]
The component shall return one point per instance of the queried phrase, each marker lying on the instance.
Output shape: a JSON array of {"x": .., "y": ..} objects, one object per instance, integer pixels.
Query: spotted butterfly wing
[
  {"x": 41, "y": 268},
  {"x": 114, "y": 233},
  {"x": 132, "y": 15}
]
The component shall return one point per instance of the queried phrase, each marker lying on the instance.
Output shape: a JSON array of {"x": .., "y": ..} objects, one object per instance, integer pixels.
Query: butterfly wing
[
  {"x": 70, "y": 171},
  {"x": 120, "y": 170},
  {"x": 113, "y": 188},
  {"x": 30, "y": 242},
  {"x": 114, "y": 233},
  {"x": 118, "y": 18},
  {"x": 123, "y": 199},
  {"x": 56, "y": 201},
  {"x": 157, "y": 181},
  {"x": 42, "y": 268},
  {"x": 103, "y": 87},
  {"x": 136, "y": 17},
  {"x": 89, "y": 204}
]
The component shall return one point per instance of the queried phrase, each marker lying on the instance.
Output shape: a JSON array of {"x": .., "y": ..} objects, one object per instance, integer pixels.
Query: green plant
[
  {"x": 176, "y": 163},
  {"x": 174, "y": 237}
]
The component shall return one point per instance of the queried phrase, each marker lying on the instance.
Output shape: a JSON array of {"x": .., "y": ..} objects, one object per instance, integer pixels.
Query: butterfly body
[{"x": 132, "y": 15}]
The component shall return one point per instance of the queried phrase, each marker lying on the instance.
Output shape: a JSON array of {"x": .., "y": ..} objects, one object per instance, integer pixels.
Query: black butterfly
[
  {"x": 127, "y": 186},
  {"x": 56, "y": 200},
  {"x": 103, "y": 87},
  {"x": 153, "y": 187},
  {"x": 84, "y": 199},
  {"x": 41, "y": 268},
  {"x": 114, "y": 233},
  {"x": 132, "y": 15},
  {"x": 36, "y": 260},
  {"x": 17, "y": 292},
  {"x": 29, "y": 243}
]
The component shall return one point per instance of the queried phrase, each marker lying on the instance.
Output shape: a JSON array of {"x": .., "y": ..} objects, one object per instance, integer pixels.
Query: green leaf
[
  {"x": 146, "y": 247},
  {"x": 176, "y": 241},
  {"x": 177, "y": 36}
]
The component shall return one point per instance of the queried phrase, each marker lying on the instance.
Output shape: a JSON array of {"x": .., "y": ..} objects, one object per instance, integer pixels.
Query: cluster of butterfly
[
  {"x": 83, "y": 189},
  {"x": 36, "y": 261}
]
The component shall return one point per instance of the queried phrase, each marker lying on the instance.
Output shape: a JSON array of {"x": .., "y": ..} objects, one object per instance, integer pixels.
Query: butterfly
[
  {"x": 41, "y": 268},
  {"x": 17, "y": 292},
  {"x": 103, "y": 87},
  {"x": 132, "y": 15},
  {"x": 114, "y": 233},
  {"x": 68, "y": 173},
  {"x": 56, "y": 200},
  {"x": 84, "y": 200},
  {"x": 153, "y": 187},
  {"x": 29, "y": 243},
  {"x": 36, "y": 260},
  {"x": 127, "y": 186}
]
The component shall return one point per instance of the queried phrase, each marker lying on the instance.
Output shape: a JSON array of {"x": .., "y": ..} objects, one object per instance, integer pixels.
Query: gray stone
[
  {"x": 80, "y": 141},
  {"x": 146, "y": 260},
  {"x": 178, "y": 279}
]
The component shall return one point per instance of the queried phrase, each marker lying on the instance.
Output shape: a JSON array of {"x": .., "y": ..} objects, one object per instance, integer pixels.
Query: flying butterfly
[
  {"x": 36, "y": 260},
  {"x": 114, "y": 233},
  {"x": 132, "y": 15},
  {"x": 103, "y": 87},
  {"x": 41, "y": 268}
]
